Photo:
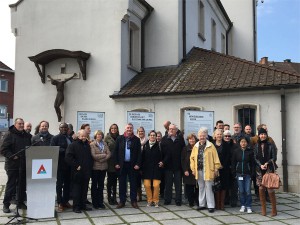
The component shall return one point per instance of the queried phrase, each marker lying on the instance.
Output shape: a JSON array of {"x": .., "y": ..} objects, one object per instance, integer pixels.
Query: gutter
[
  {"x": 284, "y": 162},
  {"x": 143, "y": 22},
  {"x": 6, "y": 70},
  {"x": 254, "y": 31},
  {"x": 183, "y": 30}
]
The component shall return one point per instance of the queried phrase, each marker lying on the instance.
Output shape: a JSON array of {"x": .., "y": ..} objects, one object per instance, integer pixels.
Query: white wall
[{"x": 242, "y": 41}]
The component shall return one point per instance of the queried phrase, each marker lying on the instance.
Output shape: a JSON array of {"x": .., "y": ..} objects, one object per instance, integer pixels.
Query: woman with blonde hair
[
  {"x": 205, "y": 164},
  {"x": 100, "y": 153}
]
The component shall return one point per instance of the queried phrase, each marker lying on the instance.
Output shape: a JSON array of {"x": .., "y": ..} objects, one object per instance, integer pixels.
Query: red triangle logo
[{"x": 42, "y": 170}]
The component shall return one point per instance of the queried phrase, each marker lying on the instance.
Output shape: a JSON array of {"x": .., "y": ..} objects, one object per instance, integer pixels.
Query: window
[
  {"x": 3, "y": 110},
  {"x": 247, "y": 115},
  {"x": 3, "y": 85},
  {"x": 201, "y": 21},
  {"x": 223, "y": 43},
  {"x": 213, "y": 35},
  {"x": 134, "y": 46}
]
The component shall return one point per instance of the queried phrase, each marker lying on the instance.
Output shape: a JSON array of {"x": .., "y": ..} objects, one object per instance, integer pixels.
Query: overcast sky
[{"x": 278, "y": 33}]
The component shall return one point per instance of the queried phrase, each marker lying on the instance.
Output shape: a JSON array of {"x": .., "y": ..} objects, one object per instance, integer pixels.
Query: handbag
[
  {"x": 271, "y": 180},
  {"x": 217, "y": 184}
]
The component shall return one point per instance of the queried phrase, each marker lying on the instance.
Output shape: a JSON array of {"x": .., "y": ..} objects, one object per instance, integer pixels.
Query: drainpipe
[
  {"x": 283, "y": 139},
  {"x": 150, "y": 9},
  {"x": 254, "y": 32},
  {"x": 183, "y": 29},
  {"x": 227, "y": 34}
]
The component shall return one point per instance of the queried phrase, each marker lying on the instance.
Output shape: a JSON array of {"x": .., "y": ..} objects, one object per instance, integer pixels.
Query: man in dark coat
[
  {"x": 79, "y": 157},
  {"x": 171, "y": 147},
  {"x": 63, "y": 169},
  {"x": 127, "y": 163},
  {"x": 15, "y": 165}
]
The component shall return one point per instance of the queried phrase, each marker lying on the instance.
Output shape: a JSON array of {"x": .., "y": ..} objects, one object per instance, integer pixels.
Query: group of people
[{"x": 159, "y": 161}]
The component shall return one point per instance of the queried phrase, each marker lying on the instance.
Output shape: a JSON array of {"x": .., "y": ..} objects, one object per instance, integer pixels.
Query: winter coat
[
  {"x": 171, "y": 152},
  {"x": 211, "y": 162},
  {"x": 78, "y": 154},
  {"x": 272, "y": 156},
  {"x": 242, "y": 162},
  {"x": 185, "y": 163},
  {"x": 111, "y": 145},
  {"x": 100, "y": 158},
  {"x": 45, "y": 141},
  {"x": 13, "y": 142},
  {"x": 150, "y": 159}
]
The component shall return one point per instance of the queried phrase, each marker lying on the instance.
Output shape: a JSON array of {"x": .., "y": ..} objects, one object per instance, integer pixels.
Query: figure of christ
[{"x": 60, "y": 85}]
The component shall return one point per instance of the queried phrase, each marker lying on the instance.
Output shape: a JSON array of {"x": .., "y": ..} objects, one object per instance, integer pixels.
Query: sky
[{"x": 278, "y": 31}]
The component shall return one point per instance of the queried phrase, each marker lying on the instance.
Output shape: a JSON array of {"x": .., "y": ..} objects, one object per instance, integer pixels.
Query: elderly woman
[
  {"x": 224, "y": 153},
  {"x": 100, "y": 153},
  {"x": 112, "y": 176},
  {"x": 188, "y": 178},
  {"x": 151, "y": 169},
  {"x": 265, "y": 155},
  {"x": 205, "y": 163}
]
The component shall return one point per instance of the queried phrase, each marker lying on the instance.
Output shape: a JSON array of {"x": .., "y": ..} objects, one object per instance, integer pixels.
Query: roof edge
[{"x": 15, "y": 4}]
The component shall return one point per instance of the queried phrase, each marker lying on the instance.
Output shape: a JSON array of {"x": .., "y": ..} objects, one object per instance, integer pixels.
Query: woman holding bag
[{"x": 265, "y": 154}]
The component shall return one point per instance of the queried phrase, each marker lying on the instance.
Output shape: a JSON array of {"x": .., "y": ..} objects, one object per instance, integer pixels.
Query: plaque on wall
[
  {"x": 141, "y": 119},
  {"x": 96, "y": 120}
]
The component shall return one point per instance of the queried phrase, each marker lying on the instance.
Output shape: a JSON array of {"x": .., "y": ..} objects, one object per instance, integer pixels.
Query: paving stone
[
  {"x": 44, "y": 223},
  {"x": 78, "y": 221},
  {"x": 284, "y": 208},
  {"x": 284, "y": 201},
  {"x": 99, "y": 213},
  {"x": 189, "y": 214},
  {"x": 136, "y": 218},
  {"x": 216, "y": 213},
  {"x": 107, "y": 220},
  {"x": 153, "y": 209},
  {"x": 163, "y": 216},
  {"x": 70, "y": 215},
  {"x": 205, "y": 221},
  {"x": 175, "y": 222},
  {"x": 177, "y": 208},
  {"x": 294, "y": 213},
  {"x": 146, "y": 223},
  {"x": 284, "y": 215},
  {"x": 284, "y": 195},
  {"x": 230, "y": 219},
  {"x": 268, "y": 223},
  {"x": 294, "y": 205},
  {"x": 294, "y": 199},
  {"x": 292, "y": 221},
  {"x": 253, "y": 217},
  {"x": 124, "y": 211}
]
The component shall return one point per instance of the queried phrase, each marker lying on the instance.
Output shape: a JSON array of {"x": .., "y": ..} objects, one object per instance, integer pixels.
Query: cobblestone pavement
[{"x": 288, "y": 213}]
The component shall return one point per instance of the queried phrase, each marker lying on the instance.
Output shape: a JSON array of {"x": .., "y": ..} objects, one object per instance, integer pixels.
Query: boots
[
  {"x": 222, "y": 199},
  {"x": 217, "y": 200},
  {"x": 262, "y": 198},
  {"x": 273, "y": 202},
  {"x": 109, "y": 198},
  {"x": 114, "y": 199}
]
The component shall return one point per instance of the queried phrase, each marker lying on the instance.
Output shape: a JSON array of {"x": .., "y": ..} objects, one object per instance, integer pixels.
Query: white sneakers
[{"x": 249, "y": 210}]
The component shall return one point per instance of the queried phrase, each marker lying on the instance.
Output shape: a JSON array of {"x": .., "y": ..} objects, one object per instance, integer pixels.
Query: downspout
[
  {"x": 150, "y": 9},
  {"x": 254, "y": 31},
  {"x": 183, "y": 29},
  {"x": 283, "y": 139},
  {"x": 227, "y": 34}
]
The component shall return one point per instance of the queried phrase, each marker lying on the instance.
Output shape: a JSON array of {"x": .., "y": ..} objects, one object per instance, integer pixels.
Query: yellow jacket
[{"x": 211, "y": 162}]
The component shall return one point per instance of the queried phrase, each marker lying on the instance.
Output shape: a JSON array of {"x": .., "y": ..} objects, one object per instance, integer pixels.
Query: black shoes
[
  {"x": 87, "y": 209},
  {"x": 178, "y": 203},
  {"x": 6, "y": 209},
  {"x": 211, "y": 210},
  {"x": 76, "y": 210},
  {"x": 120, "y": 205}
]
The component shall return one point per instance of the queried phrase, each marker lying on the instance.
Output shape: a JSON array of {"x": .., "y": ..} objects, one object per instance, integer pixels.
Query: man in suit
[{"x": 127, "y": 163}]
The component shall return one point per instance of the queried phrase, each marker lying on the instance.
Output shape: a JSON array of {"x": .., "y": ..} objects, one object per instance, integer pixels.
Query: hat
[{"x": 262, "y": 131}]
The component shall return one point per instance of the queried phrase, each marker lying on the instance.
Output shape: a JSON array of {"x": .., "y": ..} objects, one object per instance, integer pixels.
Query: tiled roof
[
  {"x": 3, "y": 66},
  {"x": 206, "y": 71},
  {"x": 286, "y": 66}
]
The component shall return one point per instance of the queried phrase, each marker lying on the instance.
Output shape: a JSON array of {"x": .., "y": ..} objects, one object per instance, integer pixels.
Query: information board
[
  {"x": 142, "y": 119},
  {"x": 96, "y": 120}
]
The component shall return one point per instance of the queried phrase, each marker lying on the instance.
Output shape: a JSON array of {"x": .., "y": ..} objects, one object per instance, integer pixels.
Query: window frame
[
  {"x": 6, "y": 86},
  {"x": 4, "y": 115},
  {"x": 201, "y": 21}
]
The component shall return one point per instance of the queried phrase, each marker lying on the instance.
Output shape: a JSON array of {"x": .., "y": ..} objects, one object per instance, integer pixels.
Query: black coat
[
  {"x": 45, "y": 141},
  {"x": 13, "y": 142},
  {"x": 271, "y": 156},
  {"x": 150, "y": 159},
  {"x": 135, "y": 151},
  {"x": 78, "y": 154},
  {"x": 185, "y": 163},
  {"x": 243, "y": 162},
  {"x": 171, "y": 152}
]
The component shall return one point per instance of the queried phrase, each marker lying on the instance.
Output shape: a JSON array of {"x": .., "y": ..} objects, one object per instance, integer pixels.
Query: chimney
[
  {"x": 264, "y": 61},
  {"x": 287, "y": 60}
]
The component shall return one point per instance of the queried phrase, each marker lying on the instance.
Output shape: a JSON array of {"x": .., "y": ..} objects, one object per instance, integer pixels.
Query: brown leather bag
[{"x": 271, "y": 180}]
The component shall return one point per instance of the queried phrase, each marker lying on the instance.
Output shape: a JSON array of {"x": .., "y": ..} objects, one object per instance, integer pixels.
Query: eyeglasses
[{"x": 227, "y": 136}]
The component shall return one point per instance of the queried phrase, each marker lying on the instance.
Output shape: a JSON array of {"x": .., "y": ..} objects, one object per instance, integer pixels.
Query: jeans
[{"x": 245, "y": 190}]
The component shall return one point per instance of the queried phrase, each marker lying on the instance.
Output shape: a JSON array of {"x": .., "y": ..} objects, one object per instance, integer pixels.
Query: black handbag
[{"x": 217, "y": 184}]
